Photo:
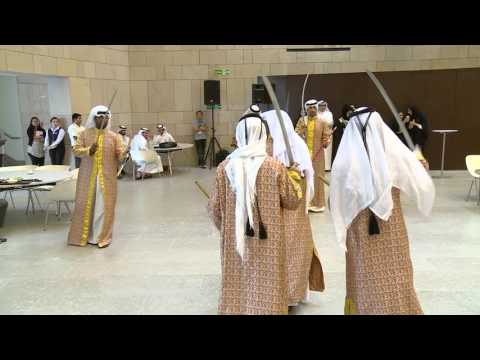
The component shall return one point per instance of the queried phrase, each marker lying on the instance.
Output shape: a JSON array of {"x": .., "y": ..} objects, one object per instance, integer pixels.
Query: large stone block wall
[
  {"x": 167, "y": 80},
  {"x": 164, "y": 83},
  {"x": 94, "y": 72}
]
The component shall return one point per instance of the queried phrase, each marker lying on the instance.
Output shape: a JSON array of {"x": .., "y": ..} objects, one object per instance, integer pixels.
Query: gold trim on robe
[
  {"x": 321, "y": 139},
  {"x": 104, "y": 163}
]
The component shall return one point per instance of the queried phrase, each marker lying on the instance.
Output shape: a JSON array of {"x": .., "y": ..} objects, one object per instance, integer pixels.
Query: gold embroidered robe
[{"x": 97, "y": 178}]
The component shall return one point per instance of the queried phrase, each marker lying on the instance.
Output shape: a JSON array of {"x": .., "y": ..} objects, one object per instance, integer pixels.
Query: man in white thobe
[
  {"x": 144, "y": 156},
  {"x": 326, "y": 115}
]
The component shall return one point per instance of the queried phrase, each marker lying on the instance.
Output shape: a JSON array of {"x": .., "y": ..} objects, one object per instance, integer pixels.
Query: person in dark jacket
[
  {"x": 339, "y": 126},
  {"x": 55, "y": 142},
  {"x": 36, "y": 137},
  {"x": 418, "y": 127}
]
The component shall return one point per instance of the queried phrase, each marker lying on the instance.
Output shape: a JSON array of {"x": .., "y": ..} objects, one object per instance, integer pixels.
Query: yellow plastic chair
[{"x": 473, "y": 167}]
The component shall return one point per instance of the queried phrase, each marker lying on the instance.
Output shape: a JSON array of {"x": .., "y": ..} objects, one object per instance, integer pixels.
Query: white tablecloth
[{"x": 47, "y": 177}]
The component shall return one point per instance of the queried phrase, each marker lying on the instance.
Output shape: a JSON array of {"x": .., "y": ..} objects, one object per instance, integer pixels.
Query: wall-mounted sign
[
  {"x": 215, "y": 106},
  {"x": 223, "y": 72}
]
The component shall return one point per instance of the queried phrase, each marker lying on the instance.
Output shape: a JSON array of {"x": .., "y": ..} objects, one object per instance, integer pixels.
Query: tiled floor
[{"x": 165, "y": 255}]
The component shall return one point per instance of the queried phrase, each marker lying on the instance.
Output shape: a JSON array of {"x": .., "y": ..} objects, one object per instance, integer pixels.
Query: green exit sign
[
  {"x": 223, "y": 72},
  {"x": 215, "y": 106}
]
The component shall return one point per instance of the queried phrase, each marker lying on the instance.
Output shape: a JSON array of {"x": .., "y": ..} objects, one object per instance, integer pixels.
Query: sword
[
  {"x": 303, "y": 96},
  {"x": 125, "y": 160},
  {"x": 393, "y": 109},
  {"x": 113, "y": 97},
  {"x": 109, "y": 105},
  {"x": 202, "y": 189},
  {"x": 273, "y": 97},
  {"x": 323, "y": 179}
]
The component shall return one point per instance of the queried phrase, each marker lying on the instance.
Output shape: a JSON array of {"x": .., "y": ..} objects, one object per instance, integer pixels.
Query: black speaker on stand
[
  {"x": 260, "y": 94},
  {"x": 211, "y": 92}
]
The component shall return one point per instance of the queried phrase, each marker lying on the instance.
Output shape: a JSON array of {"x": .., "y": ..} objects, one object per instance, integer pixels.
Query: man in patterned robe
[
  {"x": 252, "y": 191},
  {"x": 304, "y": 266},
  {"x": 316, "y": 134},
  {"x": 100, "y": 150},
  {"x": 370, "y": 169}
]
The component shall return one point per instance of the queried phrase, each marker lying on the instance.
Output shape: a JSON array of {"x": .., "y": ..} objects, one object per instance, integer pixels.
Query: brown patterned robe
[
  {"x": 321, "y": 139},
  {"x": 303, "y": 263},
  {"x": 304, "y": 266},
  {"x": 259, "y": 285},
  {"x": 379, "y": 268},
  {"x": 104, "y": 163}
]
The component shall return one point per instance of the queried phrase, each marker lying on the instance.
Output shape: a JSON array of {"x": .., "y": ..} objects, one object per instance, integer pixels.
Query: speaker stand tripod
[{"x": 211, "y": 145}]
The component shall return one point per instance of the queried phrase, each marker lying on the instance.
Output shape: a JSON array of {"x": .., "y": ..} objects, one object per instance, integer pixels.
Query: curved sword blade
[
  {"x": 303, "y": 95},
  {"x": 273, "y": 97},
  {"x": 392, "y": 107},
  {"x": 113, "y": 98}
]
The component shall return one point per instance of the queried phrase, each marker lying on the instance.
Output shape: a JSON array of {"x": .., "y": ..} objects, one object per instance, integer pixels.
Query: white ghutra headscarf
[
  {"x": 326, "y": 115},
  {"x": 300, "y": 152},
  {"x": 139, "y": 143},
  {"x": 95, "y": 112},
  {"x": 311, "y": 102},
  {"x": 360, "y": 180},
  {"x": 242, "y": 169}
]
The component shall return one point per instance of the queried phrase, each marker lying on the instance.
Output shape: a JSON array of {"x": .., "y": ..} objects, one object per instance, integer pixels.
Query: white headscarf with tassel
[
  {"x": 326, "y": 115},
  {"x": 360, "y": 180},
  {"x": 300, "y": 152},
  {"x": 242, "y": 169}
]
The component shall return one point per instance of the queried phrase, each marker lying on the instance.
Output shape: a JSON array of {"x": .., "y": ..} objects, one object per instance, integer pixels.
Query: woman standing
[
  {"x": 36, "y": 138},
  {"x": 418, "y": 127},
  {"x": 339, "y": 126},
  {"x": 55, "y": 142}
]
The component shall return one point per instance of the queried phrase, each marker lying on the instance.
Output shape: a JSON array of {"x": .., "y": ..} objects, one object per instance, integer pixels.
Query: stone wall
[
  {"x": 164, "y": 83},
  {"x": 93, "y": 71}
]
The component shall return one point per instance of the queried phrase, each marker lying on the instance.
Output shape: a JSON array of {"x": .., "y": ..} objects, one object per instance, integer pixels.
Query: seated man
[
  {"x": 162, "y": 136},
  {"x": 144, "y": 156}
]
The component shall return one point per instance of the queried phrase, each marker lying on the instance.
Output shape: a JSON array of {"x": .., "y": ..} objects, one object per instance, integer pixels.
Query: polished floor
[{"x": 165, "y": 255}]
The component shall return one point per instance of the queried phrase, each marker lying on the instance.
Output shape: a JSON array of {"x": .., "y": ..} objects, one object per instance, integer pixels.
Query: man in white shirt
[
  {"x": 55, "y": 142},
  {"x": 162, "y": 136},
  {"x": 74, "y": 131},
  {"x": 144, "y": 156}
]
